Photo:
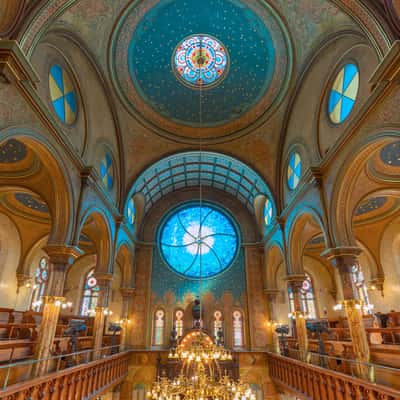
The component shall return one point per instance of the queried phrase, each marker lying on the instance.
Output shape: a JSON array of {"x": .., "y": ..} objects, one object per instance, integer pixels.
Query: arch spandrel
[
  {"x": 357, "y": 179},
  {"x": 49, "y": 176}
]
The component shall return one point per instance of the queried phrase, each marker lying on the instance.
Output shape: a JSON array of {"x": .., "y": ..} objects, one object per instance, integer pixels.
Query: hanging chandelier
[
  {"x": 202, "y": 348},
  {"x": 201, "y": 375}
]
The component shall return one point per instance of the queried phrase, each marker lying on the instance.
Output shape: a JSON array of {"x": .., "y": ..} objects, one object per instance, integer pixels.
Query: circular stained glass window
[
  {"x": 200, "y": 61},
  {"x": 62, "y": 94},
  {"x": 198, "y": 242},
  {"x": 294, "y": 170},
  {"x": 343, "y": 93}
]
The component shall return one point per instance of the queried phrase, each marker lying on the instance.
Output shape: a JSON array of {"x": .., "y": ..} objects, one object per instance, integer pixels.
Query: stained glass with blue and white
[{"x": 199, "y": 242}]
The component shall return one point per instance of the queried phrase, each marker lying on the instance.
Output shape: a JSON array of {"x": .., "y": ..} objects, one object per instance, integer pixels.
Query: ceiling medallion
[{"x": 200, "y": 61}]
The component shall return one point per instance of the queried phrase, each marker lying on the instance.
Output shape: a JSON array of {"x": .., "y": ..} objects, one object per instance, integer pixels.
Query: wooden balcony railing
[
  {"x": 311, "y": 382},
  {"x": 81, "y": 382}
]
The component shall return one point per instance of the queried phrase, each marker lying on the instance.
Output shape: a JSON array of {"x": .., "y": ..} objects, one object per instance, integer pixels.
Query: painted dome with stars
[{"x": 168, "y": 54}]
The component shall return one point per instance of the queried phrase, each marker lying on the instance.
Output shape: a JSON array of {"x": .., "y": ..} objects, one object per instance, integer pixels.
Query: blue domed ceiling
[
  {"x": 241, "y": 31},
  {"x": 245, "y": 86}
]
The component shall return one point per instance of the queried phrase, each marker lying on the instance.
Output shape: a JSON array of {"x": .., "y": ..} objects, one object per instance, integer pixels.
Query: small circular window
[
  {"x": 343, "y": 93},
  {"x": 294, "y": 170},
  {"x": 62, "y": 94},
  {"x": 198, "y": 241},
  {"x": 200, "y": 61}
]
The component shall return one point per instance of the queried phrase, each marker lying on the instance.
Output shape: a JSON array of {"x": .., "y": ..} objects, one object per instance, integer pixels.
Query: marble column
[
  {"x": 60, "y": 257},
  {"x": 295, "y": 282},
  {"x": 344, "y": 259},
  {"x": 127, "y": 294},
  {"x": 104, "y": 284}
]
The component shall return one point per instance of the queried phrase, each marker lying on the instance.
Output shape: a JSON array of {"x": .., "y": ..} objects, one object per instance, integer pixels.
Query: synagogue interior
[{"x": 199, "y": 199}]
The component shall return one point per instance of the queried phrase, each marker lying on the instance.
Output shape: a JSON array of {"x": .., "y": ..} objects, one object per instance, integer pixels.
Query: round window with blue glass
[
  {"x": 294, "y": 170},
  {"x": 62, "y": 94},
  {"x": 198, "y": 241},
  {"x": 343, "y": 93}
]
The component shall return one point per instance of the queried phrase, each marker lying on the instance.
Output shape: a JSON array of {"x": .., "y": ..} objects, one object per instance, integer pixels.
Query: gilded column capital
[
  {"x": 56, "y": 300},
  {"x": 23, "y": 279}
]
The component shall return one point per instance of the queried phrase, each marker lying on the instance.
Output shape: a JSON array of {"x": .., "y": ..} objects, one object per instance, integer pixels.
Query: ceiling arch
[{"x": 189, "y": 169}]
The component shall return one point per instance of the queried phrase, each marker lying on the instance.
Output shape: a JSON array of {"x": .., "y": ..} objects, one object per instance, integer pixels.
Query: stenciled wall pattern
[{"x": 166, "y": 283}]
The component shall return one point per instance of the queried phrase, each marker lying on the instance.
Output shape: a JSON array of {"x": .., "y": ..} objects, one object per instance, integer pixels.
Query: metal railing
[{"x": 22, "y": 370}]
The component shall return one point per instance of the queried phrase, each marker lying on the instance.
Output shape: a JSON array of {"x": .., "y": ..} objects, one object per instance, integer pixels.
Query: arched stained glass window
[
  {"x": 41, "y": 278},
  {"x": 106, "y": 168},
  {"x": 343, "y": 93},
  {"x": 62, "y": 94},
  {"x": 158, "y": 331},
  {"x": 359, "y": 282},
  {"x": 238, "y": 340},
  {"x": 90, "y": 294},
  {"x": 179, "y": 323},
  {"x": 307, "y": 298},
  {"x": 294, "y": 170},
  {"x": 268, "y": 211},
  {"x": 199, "y": 242},
  {"x": 218, "y": 325},
  {"x": 131, "y": 211}
]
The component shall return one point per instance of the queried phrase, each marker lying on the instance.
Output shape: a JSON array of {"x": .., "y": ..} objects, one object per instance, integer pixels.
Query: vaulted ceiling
[{"x": 133, "y": 48}]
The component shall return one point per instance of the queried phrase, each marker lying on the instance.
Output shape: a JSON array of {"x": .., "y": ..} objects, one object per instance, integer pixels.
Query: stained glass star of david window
[
  {"x": 62, "y": 95},
  {"x": 294, "y": 170},
  {"x": 343, "y": 93},
  {"x": 200, "y": 61},
  {"x": 198, "y": 242},
  {"x": 107, "y": 171},
  {"x": 268, "y": 211}
]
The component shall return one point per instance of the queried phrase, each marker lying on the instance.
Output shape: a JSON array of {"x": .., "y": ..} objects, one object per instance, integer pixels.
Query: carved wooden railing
[
  {"x": 81, "y": 382},
  {"x": 312, "y": 382}
]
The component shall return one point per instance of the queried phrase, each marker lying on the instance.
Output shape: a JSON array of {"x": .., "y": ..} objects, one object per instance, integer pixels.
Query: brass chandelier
[{"x": 201, "y": 376}]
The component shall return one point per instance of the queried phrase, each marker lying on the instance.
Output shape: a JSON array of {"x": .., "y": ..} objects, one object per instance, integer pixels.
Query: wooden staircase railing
[
  {"x": 312, "y": 382},
  {"x": 81, "y": 382}
]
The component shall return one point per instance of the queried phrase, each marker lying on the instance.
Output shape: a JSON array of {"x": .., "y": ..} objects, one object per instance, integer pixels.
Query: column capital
[
  {"x": 343, "y": 251},
  {"x": 62, "y": 254},
  {"x": 295, "y": 279},
  {"x": 103, "y": 278},
  {"x": 127, "y": 291},
  {"x": 23, "y": 279},
  {"x": 14, "y": 65},
  {"x": 53, "y": 300},
  {"x": 271, "y": 294}
]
